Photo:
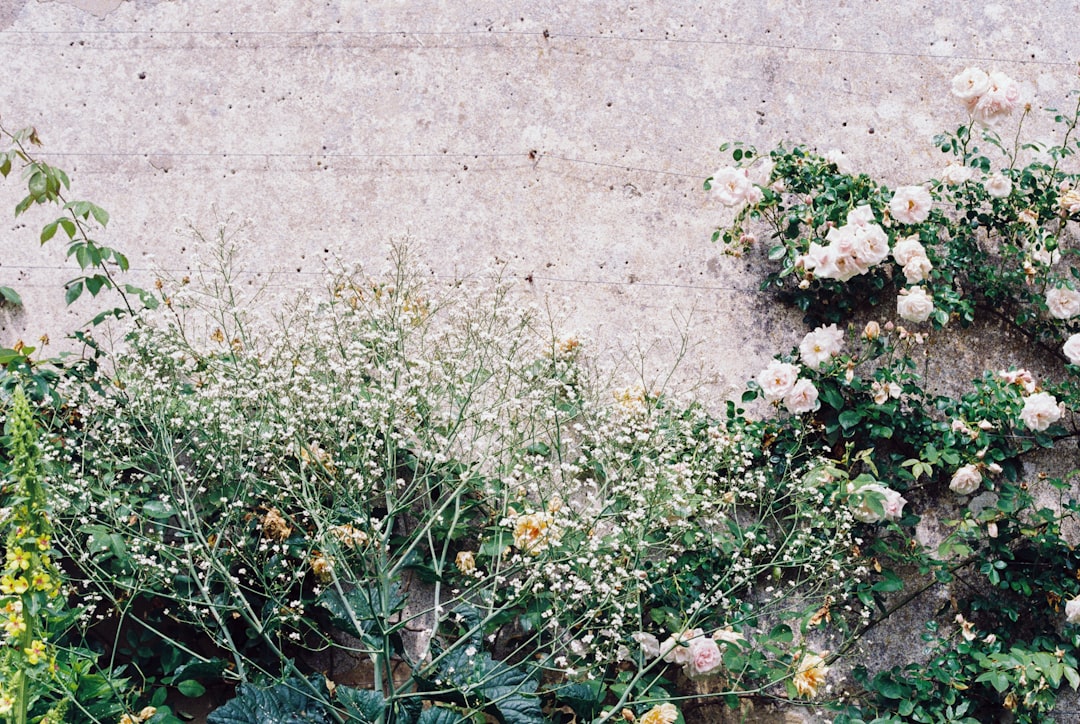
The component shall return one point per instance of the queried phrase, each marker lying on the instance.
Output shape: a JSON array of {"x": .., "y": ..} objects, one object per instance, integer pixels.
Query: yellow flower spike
[
  {"x": 36, "y": 653},
  {"x": 18, "y": 558},
  {"x": 41, "y": 581},
  {"x": 13, "y": 586},
  {"x": 44, "y": 542},
  {"x": 7, "y": 703},
  {"x": 15, "y": 626}
]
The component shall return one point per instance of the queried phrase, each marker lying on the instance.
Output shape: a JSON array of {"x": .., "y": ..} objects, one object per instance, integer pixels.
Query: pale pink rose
[
  {"x": 1041, "y": 410},
  {"x": 705, "y": 658},
  {"x": 998, "y": 186},
  {"x": 911, "y": 204},
  {"x": 1020, "y": 377},
  {"x": 861, "y": 215},
  {"x": 892, "y": 503},
  {"x": 907, "y": 249},
  {"x": 1072, "y": 610},
  {"x": 676, "y": 649},
  {"x": 760, "y": 172},
  {"x": 998, "y": 100},
  {"x": 836, "y": 157},
  {"x": 650, "y": 645},
  {"x": 820, "y": 345},
  {"x": 731, "y": 185},
  {"x": 917, "y": 269},
  {"x": 845, "y": 242},
  {"x": 1041, "y": 254},
  {"x": 914, "y": 304},
  {"x": 754, "y": 196},
  {"x": 873, "y": 244},
  {"x": 1063, "y": 303},
  {"x": 1069, "y": 200},
  {"x": 955, "y": 174},
  {"x": 777, "y": 379},
  {"x": 821, "y": 260},
  {"x": 1072, "y": 349},
  {"x": 803, "y": 398},
  {"x": 882, "y": 391},
  {"x": 966, "y": 480},
  {"x": 969, "y": 84}
]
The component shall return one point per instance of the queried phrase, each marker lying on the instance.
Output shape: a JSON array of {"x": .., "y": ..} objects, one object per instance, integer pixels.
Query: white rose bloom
[
  {"x": 874, "y": 243},
  {"x": 861, "y": 215},
  {"x": 955, "y": 174},
  {"x": 916, "y": 269},
  {"x": 906, "y": 249},
  {"x": 998, "y": 100},
  {"x": 998, "y": 186},
  {"x": 777, "y": 379},
  {"x": 970, "y": 84},
  {"x": 760, "y": 172},
  {"x": 911, "y": 204},
  {"x": 1041, "y": 410},
  {"x": 892, "y": 502},
  {"x": 836, "y": 156},
  {"x": 803, "y": 398},
  {"x": 1072, "y": 610},
  {"x": 731, "y": 186},
  {"x": 820, "y": 345},
  {"x": 821, "y": 260},
  {"x": 914, "y": 304},
  {"x": 966, "y": 480},
  {"x": 1063, "y": 303},
  {"x": 1072, "y": 349}
]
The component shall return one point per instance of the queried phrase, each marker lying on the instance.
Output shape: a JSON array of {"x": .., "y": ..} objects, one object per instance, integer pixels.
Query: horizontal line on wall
[
  {"x": 523, "y": 278},
  {"x": 545, "y": 36}
]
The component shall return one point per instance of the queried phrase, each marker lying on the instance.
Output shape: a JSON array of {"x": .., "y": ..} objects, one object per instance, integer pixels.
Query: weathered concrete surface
[
  {"x": 564, "y": 143},
  {"x": 568, "y": 141}
]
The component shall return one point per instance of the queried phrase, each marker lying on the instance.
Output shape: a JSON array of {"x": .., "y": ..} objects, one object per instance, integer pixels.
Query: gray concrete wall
[{"x": 568, "y": 140}]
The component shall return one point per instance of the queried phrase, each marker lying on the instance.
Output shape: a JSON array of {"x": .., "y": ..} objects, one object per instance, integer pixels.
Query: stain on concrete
[
  {"x": 9, "y": 10},
  {"x": 100, "y": 8}
]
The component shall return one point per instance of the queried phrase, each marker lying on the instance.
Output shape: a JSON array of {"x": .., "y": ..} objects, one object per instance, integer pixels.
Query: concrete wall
[{"x": 568, "y": 140}]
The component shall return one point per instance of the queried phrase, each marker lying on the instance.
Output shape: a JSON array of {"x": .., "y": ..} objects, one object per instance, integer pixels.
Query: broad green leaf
[
  {"x": 191, "y": 688},
  {"x": 73, "y": 292},
  {"x": 441, "y": 715},
  {"x": 290, "y": 702},
  {"x": 10, "y": 296},
  {"x": 364, "y": 706}
]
